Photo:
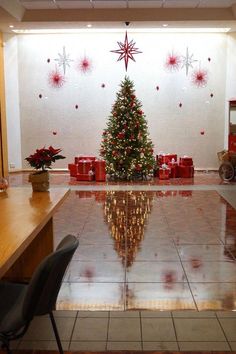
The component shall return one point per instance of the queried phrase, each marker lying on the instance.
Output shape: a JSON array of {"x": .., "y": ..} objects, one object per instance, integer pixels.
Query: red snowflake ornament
[
  {"x": 173, "y": 62},
  {"x": 85, "y": 65},
  {"x": 200, "y": 78},
  {"x": 126, "y": 51},
  {"x": 56, "y": 79}
]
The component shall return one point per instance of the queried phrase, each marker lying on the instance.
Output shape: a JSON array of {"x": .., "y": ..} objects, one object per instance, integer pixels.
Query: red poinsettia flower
[{"x": 43, "y": 158}]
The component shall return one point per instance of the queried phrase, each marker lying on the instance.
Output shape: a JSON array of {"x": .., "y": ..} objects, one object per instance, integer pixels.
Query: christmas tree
[{"x": 126, "y": 146}]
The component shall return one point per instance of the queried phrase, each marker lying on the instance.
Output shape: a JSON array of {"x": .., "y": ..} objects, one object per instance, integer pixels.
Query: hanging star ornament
[
  {"x": 126, "y": 51},
  {"x": 188, "y": 61},
  {"x": 63, "y": 60}
]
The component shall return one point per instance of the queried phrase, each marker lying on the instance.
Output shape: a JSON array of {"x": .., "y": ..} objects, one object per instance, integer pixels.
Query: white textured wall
[
  {"x": 12, "y": 101},
  {"x": 172, "y": 129}
]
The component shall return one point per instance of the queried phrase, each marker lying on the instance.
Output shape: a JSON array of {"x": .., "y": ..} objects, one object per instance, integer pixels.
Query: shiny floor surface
[
  {"x": 151, "y": 255},
  {"x": 172, "y": 250}
]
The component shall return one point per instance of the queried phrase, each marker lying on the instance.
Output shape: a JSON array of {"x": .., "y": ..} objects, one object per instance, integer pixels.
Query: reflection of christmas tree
[
  {"x": 126, "y": 146},
  {"x": 126, "y": 214}
]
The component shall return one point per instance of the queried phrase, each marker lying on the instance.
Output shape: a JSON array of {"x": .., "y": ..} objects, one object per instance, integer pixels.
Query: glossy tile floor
[{"x": 147, "y": 251}]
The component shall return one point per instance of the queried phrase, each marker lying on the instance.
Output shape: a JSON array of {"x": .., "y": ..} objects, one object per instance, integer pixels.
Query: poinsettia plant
[{"x": 43, "y": 158}]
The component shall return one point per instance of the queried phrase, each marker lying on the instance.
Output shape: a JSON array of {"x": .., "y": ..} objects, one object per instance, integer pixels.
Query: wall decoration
[
  {"x": 173, "y": 62},
  {"x": 199, "y": 77},
  {"x": 56, "y": 79},
  {"x": 54, "y": 133},
  {"x": 40, "y": 95},
  {"x": 157, "y": 88},
  {"x": 202, "y": 132},
  {"x": 103, "y": 85},
  {"x": 76, "y": 106},
  {"x": 180, "y": 105},
  {"x": 48, "y": 60},
  {"x": 212, "y": 95},
  {"x": 126, "y": 51},
  {"x": 209, "y": 59},
  {"x": 187, "y": 61},
  {"x": 63, "y": 60},
  {"x": 85, "y": 65}
]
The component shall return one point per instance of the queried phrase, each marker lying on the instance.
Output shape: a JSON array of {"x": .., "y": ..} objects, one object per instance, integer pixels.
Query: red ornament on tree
[
  {"x": 138, "y": 167},
  {"x": 173, "y": 62},
  {"x": 56, "y": 79},
  {"x": 121, "y": 135},
  {"x": 126, "y": 51},
  {"x": 199, "y": 78},
  {"x": 140, "y": 111}
]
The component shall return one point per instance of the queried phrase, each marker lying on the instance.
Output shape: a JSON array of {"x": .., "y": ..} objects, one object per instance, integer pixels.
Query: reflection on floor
[
  {"x": 144, "y": 250},
  {"x": 149, "y": 250}
]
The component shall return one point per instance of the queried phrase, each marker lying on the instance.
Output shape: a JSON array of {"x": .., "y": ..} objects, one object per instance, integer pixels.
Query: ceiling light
[
  {"x": 120, "y": 30},
  {"x": 89, "y": 25},
  {"x": 11, "y": 26},
  {"x": 165, "y": 25}
]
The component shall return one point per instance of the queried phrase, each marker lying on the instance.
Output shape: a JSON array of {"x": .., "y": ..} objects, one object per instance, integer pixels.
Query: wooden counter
[{"x": 26, "y": 229}]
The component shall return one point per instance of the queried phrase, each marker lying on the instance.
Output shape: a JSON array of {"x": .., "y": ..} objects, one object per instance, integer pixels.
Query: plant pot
[{"x": 39, "y": 181}]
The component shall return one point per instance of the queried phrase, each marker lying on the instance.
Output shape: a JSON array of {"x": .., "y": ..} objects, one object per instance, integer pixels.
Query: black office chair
[{"x": 19, "y": 303}]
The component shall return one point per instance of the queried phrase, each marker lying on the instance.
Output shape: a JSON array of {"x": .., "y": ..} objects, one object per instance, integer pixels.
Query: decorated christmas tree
[{"x": 126, "y": 146}]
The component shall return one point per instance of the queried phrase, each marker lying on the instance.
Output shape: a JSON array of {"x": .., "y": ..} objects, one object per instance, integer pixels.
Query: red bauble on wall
[
  {"x": 173, "y": 62},
  {"x": 200, "y": 77},
  {"x": 85, "y": 65}
]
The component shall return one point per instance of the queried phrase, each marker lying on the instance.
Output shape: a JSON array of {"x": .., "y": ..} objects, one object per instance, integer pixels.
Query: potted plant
[{"x": 42, "y": 160}]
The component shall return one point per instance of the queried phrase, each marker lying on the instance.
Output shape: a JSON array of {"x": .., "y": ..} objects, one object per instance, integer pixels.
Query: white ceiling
[{"x": 109, "y": 4}]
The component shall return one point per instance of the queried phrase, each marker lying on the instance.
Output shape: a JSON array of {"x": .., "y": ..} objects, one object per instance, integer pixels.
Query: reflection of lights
[{"x": 126, "y": 217}]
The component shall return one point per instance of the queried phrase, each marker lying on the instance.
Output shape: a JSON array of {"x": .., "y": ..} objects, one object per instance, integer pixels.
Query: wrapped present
[
  {"x": 73, "y": 168},
  {"x": 164, "y": 173},
  {"x": 83, "y": 157},
  {"x": 174, "y": 171},
  {"x": 186, "y": 171},
  {"x": 84, "y": 166},
  {"x": 186, "y": 161},
  {"x": 100, "y": 170},
  {"x": 169, "y": 158},
  {"x": 185, "y": 193},
  {"x": 232, "y": 142},
  {"x": 85, "y": 177}
]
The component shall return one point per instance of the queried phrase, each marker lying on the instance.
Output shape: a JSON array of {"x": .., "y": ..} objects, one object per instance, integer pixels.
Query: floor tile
[
  {"x": 158, "y": 329},
  {"x": 42, "y": 345},
  {"x": 87, "y": 346},
  {"x": 198, "y": 330},
  {"x": 151, "y": 314},
  {"x": 124, "y": 346},
  {"x": 154, "y": 252},
  {"x": 95, "y": 272},
  {"x": 124, "y": 314},
  {"x": 204, "y": 346},
  {"x": 91, "y": 296},
  {"x": 198, "y": 253},
  {"x": 159, "y": 296},
  {"x": 160, "y": 346},
  {"x": 41, "y": 329},
  {"x": 210, "y": 271},
  {"x": 124, "y": 329},
  {"x": 104, "y": 253},
  {"x": 161, "y": 272},
  {"x": 93, "y": 314},
  {"x": 214, "y": 296},
  {"x": 90, "y": 329},
  {"x": 64, "y": 313},
  {"x": 194, "y": 314},
  {"x": 223, "y": 314},
  {"x": 229, "y": 327},
  {"x": 233, "y": 345}
]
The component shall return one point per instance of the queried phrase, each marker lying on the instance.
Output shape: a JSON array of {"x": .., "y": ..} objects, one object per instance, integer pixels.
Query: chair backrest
[{"x": 45, "y": 284}]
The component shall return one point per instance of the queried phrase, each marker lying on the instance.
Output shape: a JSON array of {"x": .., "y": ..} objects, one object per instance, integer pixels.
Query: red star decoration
[{"x": 126, "y": 51}]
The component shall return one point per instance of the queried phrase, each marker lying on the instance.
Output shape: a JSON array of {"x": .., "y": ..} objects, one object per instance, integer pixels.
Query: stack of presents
[
  {"x": 88, "y": 168},
  {"x": 168, "y": 166}
]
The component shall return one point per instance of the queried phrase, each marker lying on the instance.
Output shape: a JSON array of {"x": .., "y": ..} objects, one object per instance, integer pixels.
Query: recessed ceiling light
[
  {"x": 89, "y": 25},
  {"x": 165, "y": 25},
  {"x": 11, "y": 26}
]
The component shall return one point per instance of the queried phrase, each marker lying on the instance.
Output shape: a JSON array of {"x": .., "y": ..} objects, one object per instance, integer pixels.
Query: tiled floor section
[
  {"x": 135, "y": 330},
  {"x": 149, "y": 250},
  {"x": 142, "y": 251}
]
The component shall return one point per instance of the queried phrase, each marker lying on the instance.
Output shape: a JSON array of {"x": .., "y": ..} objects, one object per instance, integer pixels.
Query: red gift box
[
  {"x": 73, "y": 168},
  {"x": 232, "y": 143},
  {"x": 166, "y": 158},
  {"x": 186, "y": 161},
  {"x": 82, "y": 157},
  {"x": 164, "y": 173},
  {"x": 85, "y": 177},
  {"x": 100, "y": 170},
  {"x": 174, "y": 171},
  {"x": 186, "y": 171},
  {"x": 84, "y": 166}
]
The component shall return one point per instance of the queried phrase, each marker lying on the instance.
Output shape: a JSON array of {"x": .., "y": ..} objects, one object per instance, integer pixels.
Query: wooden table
[{"x": 26, "y": 229}]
